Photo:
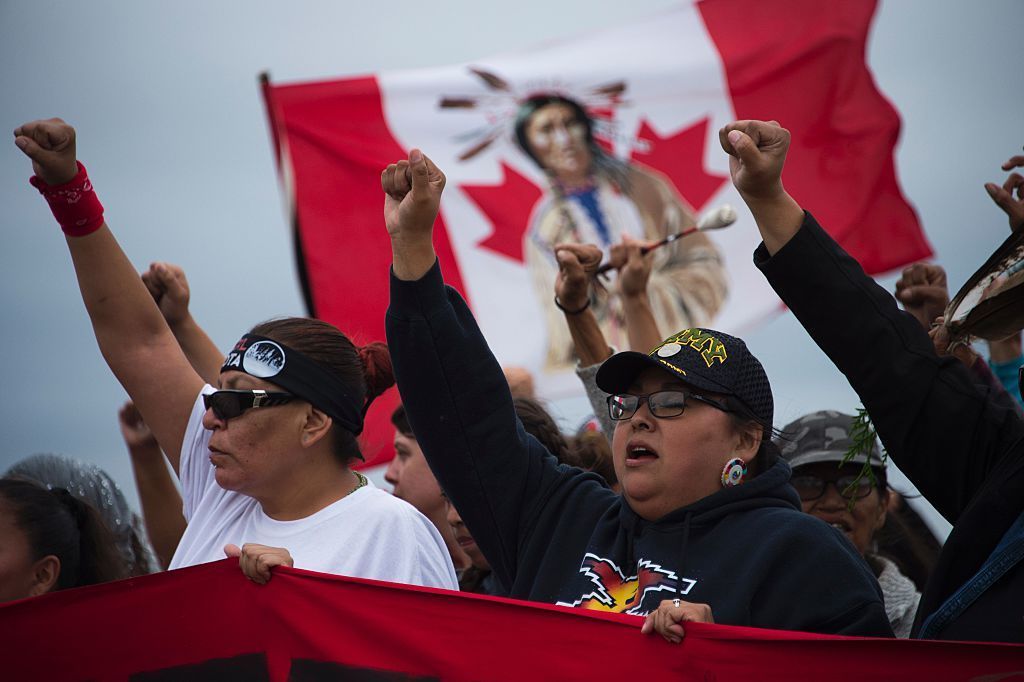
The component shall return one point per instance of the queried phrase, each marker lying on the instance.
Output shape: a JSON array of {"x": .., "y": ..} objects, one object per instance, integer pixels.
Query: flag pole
[{"x": 284, "y": 174}]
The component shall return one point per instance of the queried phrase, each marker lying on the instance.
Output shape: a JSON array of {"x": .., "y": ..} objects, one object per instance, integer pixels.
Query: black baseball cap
[{"x": 703, "y": 358}]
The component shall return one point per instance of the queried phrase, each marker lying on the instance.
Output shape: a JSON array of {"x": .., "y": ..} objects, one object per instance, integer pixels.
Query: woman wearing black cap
[
  {"x": 706, "y": 528},
  {"x": 263, "y": 459}
]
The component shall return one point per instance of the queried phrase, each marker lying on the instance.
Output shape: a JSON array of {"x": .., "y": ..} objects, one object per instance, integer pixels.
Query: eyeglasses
[
  {"x": 849, "y": 487},
  {"x": 662, "y": 404},
  {"x": 229, "y": 404}
]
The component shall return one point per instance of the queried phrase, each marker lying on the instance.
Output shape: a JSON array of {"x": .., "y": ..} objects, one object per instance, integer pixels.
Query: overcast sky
[{"x": 171, "y": 125}]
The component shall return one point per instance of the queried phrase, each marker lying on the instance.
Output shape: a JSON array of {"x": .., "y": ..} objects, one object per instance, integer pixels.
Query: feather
[
  {"x": 458, "y": 103},
  {"x": 612, "y": 90},
  {"x": 991, "y": 304},
  {"x": 493, "y": 81},
  {"x": 480, "y": 146}
]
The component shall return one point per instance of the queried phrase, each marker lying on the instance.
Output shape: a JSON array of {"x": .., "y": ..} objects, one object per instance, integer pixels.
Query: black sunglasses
[
  {"x": 229, "y": 404},
  {"x": 849, "y": 487},
  {"x": 662, "y": 404}
]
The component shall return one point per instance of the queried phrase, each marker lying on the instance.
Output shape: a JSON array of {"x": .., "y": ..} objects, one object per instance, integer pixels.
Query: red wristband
[{"x": 74, "y": 204}]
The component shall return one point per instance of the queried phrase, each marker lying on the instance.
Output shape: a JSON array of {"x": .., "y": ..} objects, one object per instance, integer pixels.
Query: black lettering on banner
[
  {"x": 253, "y": 668},
  {"x": 245, "y": 667},
  {"x": 305, "y": 670}
]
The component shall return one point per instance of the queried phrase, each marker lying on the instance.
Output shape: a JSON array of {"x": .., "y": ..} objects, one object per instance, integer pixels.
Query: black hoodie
[
  {"x": 960, "y": 444},
  {"x": 556, "y": 534}
]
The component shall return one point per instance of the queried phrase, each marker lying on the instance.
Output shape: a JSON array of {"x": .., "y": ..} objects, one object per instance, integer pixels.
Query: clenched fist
[
  {"x": 923, "y": 292},
  {"x": 412, "y": 196},
  {"x": 576, "y": 264},
  {"x": 757, "y": 151},
  {"x": 169, "y": 288},
  {"x": 51, "y": 146}
]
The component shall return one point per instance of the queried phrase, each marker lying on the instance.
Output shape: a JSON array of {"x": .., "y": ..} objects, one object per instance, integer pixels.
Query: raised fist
[
  {"x": 134, "y": 430},
  {"x": 757, "y": 151},
  {"x": 51, "y": 146},
  {"x": 167, "y": 283},
  {"x": 923, "y": 292},
  {"x": 412, "y": 196},
  {"x": 576, "y": 264},
  {"x": 634, "y": 266}
]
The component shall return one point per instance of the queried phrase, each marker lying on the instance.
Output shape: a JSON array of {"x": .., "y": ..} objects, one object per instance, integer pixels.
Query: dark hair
[
  {"x": 539, "y": 424},
  {"x": 57, "y": 523},
  {"x": 535, "y": 419},
  {"x": 367, "y": 369},
  {"x": 93, "y": 486},
  {"x": 591, "y": 451},
  {"x": 743, "y": 419},
  {"x": 401, "y": 422},
  {"x": 907, "y": 540},
  {"x": 604, "y": 163},
  {"x": 472, "y": 580}
]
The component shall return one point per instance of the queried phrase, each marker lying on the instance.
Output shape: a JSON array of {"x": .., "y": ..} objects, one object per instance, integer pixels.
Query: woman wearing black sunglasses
[
  {"x": 706, "y": 527},
  {"x": 264, "y": 461}
]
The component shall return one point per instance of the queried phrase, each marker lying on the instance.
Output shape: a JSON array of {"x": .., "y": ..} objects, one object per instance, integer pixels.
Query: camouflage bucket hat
[{"x": 823, "y": 437}]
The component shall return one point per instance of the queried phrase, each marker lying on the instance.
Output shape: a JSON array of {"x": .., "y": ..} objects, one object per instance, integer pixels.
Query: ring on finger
[{"x": 676, "y": 603}]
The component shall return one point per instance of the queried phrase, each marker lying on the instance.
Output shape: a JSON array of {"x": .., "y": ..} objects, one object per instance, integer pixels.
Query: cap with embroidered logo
[{"x": 703, "y": 358}]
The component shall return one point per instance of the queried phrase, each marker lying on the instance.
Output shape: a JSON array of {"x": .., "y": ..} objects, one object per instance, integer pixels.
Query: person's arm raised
[
  {"x": 1004, "y": 195},
  {"x": 132, "y": 334},
  {"x": 160, "y": 499},
  {"x": 757, "y": 153},
  {"x": 412, "y": 190},
  {"x": 923, "y": 292},
  {"x": 169, "y": 287},
  {"x": 572, "y": 296},
  {"x": 505, "y": 485},
  {"x": 576, "y": 265},
  {"x": 634, "y": 274}
]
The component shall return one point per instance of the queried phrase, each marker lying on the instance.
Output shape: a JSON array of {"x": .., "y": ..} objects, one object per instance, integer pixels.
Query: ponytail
[
  {"x": 97, "y": 557},
  {"x": 377, "y": 370}
]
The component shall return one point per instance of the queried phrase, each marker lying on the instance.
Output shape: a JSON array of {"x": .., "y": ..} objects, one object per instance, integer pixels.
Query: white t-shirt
[{"x": 367, "y": 534}]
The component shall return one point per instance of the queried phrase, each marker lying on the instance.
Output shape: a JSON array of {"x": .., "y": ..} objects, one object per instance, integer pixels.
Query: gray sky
[{"x": 171, "y": 125}]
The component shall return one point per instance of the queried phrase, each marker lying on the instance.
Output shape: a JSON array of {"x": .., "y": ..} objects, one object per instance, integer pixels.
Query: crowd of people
[{"x": 679, "y": 501}]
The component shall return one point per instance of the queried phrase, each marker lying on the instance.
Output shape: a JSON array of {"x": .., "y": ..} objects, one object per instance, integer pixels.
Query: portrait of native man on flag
[
  {"x": 594, "y": 197},
  {"x": 630, "y": 116}
]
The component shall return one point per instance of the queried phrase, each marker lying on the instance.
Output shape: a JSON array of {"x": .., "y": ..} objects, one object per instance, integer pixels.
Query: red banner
[{"x": 209, "y": 622}]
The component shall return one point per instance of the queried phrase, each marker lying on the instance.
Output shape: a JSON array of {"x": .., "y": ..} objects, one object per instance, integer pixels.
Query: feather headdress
[{"x": 502, "y": 103}]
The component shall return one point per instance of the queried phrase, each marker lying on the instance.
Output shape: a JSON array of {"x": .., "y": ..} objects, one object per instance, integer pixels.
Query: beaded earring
[{"x": 733, "y": 473}]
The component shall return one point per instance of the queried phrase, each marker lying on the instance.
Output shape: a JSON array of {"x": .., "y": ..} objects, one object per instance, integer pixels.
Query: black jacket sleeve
[
  {"x": 943, "y": 431},
  {"x": 461, "y": 412}
]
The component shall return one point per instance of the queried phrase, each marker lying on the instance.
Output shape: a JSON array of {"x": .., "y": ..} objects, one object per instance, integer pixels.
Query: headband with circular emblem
[{"x": 267, "y": 359}]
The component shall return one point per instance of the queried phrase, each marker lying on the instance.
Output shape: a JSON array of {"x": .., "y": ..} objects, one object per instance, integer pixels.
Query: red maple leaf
[
  {"x": 681, "y": 158},
  {"x": 508, "y": 206}
]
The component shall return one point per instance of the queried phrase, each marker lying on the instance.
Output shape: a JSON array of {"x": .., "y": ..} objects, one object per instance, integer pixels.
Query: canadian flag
[{"x": 592, "y": 138}]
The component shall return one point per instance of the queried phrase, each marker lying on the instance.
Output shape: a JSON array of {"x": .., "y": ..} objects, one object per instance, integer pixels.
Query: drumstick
[{"x": 723, "y": 216}]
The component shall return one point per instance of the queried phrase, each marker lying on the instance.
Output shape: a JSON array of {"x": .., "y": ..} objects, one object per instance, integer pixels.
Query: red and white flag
[{"x": 592, "y": 138}]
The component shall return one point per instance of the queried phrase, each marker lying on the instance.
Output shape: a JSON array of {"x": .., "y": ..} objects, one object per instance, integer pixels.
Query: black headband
[{"x": 267, "y": 359}]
